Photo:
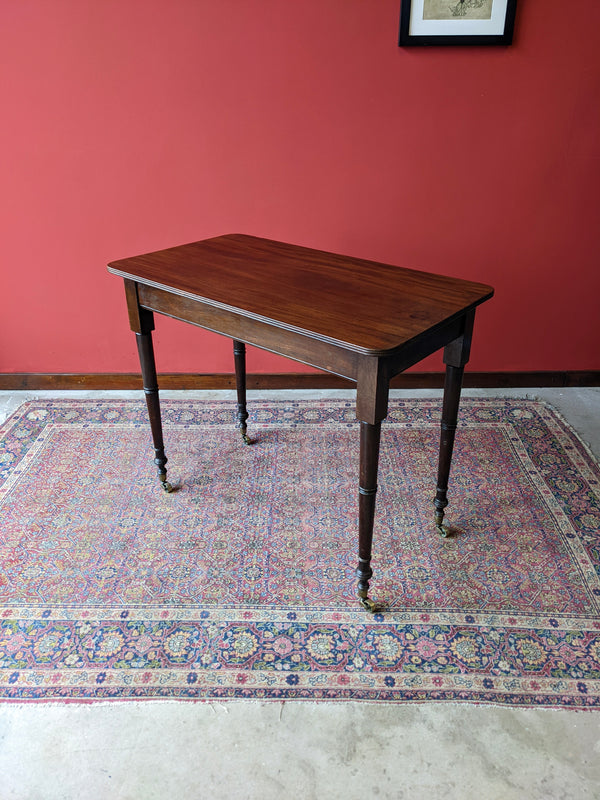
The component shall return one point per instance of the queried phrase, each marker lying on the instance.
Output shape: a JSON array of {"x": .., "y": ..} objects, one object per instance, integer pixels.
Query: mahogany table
[{"x": 359, "y": 319}]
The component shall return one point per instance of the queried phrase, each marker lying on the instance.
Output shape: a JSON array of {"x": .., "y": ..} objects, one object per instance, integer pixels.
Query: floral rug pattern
[{"x": 241, "y": 583}]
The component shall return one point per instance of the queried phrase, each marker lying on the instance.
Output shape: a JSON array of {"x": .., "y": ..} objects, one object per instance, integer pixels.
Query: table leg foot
[
  {"x": 367, "y": 603},
  {"x": 443, "y": 530},
  {"x": 370, "y": 605},
  {"x": 242, "y": 426},
  {"x": 167, "y": 487}
]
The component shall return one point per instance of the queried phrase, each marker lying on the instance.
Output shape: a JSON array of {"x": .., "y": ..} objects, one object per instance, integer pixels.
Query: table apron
[
  {"x": 297, "y": 346},
  {"x": 424, "y": 345}
]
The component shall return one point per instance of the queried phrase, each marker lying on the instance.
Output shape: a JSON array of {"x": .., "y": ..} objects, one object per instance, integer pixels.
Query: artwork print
[{"x": 457, "y": 9}]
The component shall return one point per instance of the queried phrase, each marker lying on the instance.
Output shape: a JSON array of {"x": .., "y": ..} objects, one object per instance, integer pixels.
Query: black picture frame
[{"x": 498, "y": 30}]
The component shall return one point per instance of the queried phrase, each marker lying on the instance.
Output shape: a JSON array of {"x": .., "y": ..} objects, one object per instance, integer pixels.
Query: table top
[{"x": 364, "y": 306}]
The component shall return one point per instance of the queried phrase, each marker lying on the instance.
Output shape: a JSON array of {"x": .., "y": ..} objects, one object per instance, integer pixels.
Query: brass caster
[
  {"x": 370, "y": 605},
  {"x": 246, "y": 438},
  {"x": 443, "y": 531},
  {"x": 168, "y": 488}
]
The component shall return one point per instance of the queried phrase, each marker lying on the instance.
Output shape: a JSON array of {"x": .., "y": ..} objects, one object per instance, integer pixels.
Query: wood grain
[{"x": 364, "y": 306}]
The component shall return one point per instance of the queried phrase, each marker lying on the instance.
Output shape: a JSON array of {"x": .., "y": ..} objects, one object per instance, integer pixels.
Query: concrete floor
[{"x": 160, "y": 749}]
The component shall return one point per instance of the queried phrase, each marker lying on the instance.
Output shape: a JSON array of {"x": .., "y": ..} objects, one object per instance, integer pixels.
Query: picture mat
[{"x": 459, "y": 26}]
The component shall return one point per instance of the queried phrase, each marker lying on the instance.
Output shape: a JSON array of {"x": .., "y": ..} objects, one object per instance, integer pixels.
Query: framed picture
[{"x": 433, "y": 22}]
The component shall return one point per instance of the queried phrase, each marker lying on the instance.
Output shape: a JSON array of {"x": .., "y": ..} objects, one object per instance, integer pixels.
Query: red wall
[{"x": 131, "y": 125}]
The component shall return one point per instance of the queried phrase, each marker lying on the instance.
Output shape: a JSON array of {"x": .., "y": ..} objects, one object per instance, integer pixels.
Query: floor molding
[{"x": 290, "y": 380}]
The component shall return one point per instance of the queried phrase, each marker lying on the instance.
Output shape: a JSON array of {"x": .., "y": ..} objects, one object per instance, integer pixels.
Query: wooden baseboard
[{"x": 290, "y": 380}]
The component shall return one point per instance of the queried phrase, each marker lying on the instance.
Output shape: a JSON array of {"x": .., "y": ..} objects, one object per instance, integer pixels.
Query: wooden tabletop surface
[{"x": 364, "y": 306}]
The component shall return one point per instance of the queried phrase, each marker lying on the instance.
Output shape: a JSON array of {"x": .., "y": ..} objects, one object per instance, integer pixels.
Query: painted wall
[{"x": 131, "y": 125}]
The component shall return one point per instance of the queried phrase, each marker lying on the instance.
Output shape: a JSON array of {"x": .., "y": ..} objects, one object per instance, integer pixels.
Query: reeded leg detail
[
  {"x": 369, "y": 458},
  {"x": 146, "y": 353},
  {"x": 452, "y": 389},
  {"x": 239, "y": 357}
]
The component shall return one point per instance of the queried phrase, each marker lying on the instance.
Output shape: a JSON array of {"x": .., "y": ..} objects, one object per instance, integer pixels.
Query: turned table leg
[
  {"x": 239, "y": 357},
  {"x": 367, "y": 491},
  {"x": 452, "y": 388},
  {"x": 371, "y": 408},
  {"x": 147, "y": 363},
  {"x": 456, "y": 355}
]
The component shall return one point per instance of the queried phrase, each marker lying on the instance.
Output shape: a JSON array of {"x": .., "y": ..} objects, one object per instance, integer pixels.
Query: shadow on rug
[{"x": 241, "y": 583}]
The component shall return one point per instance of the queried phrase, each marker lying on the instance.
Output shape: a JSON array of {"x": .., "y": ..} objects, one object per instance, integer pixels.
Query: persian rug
[{"x": 241, "y": 583}]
